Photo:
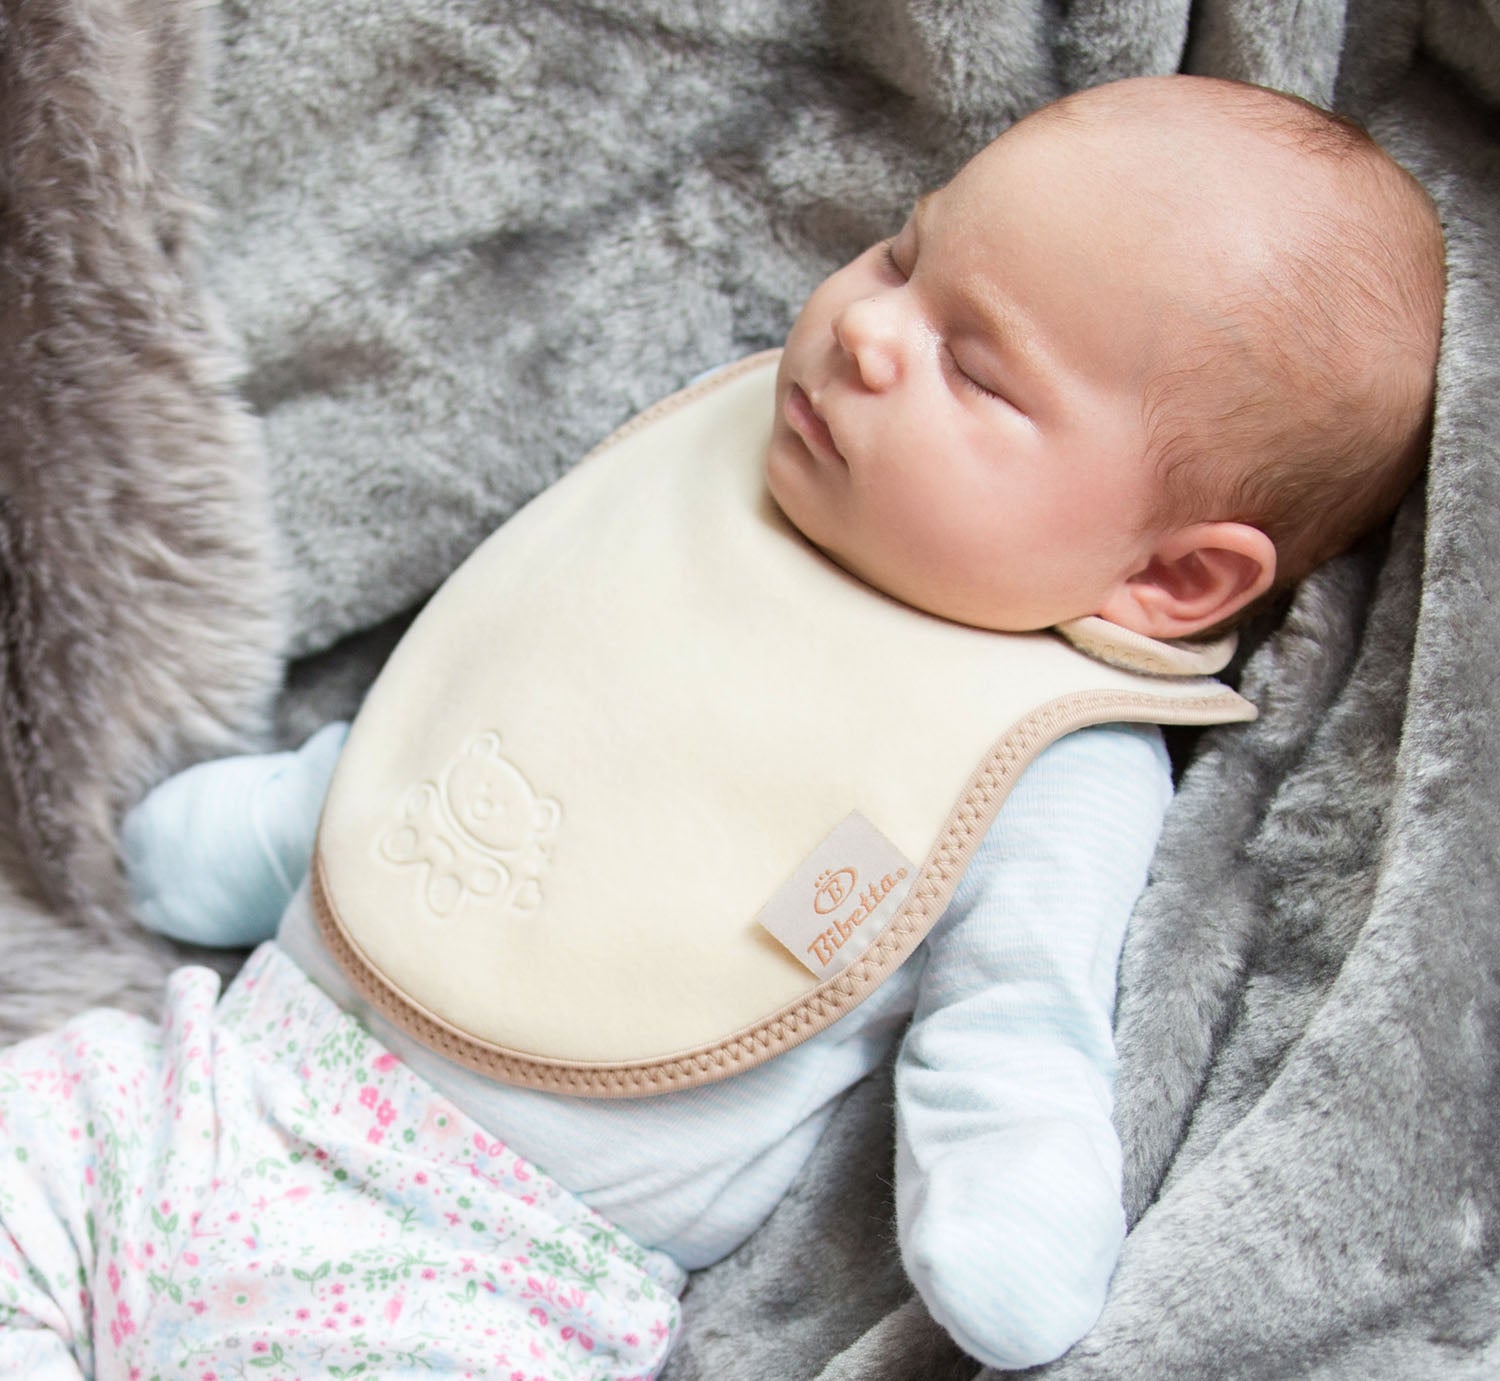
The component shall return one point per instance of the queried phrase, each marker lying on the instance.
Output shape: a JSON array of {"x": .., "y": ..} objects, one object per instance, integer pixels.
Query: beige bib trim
[
  {"x": 1119, "y": 647},
  {"x": 560, "y": 811}
]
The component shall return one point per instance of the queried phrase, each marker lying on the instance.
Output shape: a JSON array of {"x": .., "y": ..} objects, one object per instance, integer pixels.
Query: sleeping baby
[{"x": 1150, "y": 357}]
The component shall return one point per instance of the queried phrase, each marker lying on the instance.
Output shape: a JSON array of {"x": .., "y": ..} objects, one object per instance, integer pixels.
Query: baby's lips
[{"x": 806, "y": 421}]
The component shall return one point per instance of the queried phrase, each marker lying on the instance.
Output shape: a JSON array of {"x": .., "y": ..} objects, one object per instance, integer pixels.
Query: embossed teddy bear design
[{"x": 479, "y": 831}]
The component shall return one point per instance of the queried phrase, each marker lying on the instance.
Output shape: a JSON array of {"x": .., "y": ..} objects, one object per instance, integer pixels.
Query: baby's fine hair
[{"x": 1305, "y": 410}]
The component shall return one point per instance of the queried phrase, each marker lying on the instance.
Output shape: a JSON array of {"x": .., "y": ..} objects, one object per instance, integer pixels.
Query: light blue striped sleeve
[
  {"x": 213, "y": 855},
  {"x": 1008, "y": 1167}
]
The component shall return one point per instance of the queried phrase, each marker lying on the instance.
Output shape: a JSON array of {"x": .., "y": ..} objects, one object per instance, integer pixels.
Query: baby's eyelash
[
  {"x": 968, "y": 379},
  {"x": 888, "y": 252}
]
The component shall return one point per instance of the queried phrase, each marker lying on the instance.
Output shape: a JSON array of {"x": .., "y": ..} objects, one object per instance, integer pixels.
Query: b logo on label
[{"x": 832, "y": 890}]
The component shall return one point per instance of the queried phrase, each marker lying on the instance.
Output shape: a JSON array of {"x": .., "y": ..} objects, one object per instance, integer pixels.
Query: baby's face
[{"x": 959, "y": 412}]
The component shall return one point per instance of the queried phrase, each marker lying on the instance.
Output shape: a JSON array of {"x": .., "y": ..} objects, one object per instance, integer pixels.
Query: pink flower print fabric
[{"x": 259, "y": 1189}]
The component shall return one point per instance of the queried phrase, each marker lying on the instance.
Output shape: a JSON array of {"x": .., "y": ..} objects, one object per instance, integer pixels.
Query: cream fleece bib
[{"x": 652, "y": 789}]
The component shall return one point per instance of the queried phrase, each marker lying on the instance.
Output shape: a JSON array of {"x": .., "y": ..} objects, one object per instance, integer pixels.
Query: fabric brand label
[{"x": 840, "y": 898}]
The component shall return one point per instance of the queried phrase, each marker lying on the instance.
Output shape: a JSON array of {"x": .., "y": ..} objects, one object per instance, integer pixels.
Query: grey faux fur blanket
[{"x": 452, "y": 244}]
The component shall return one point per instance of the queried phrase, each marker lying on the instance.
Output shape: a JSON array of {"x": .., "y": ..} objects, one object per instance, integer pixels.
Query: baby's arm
[
  {"x": 1008, "y": 1167},
  {"x": 214, "y": 854}
]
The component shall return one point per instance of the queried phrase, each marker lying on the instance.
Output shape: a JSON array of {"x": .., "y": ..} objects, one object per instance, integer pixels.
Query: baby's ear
[{"x": 1197, "y": 577}]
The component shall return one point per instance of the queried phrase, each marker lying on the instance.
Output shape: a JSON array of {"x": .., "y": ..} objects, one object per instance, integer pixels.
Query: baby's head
[{"x": 1160, "y": 349}]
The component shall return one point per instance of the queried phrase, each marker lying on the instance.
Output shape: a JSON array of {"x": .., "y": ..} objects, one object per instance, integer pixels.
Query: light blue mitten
[{"x": 214, "y": 854}]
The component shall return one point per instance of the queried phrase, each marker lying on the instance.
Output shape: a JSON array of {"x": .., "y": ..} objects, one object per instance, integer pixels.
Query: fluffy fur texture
[
  {"x": 137, "y": 576},
  {"x": 458, "y": 244}
]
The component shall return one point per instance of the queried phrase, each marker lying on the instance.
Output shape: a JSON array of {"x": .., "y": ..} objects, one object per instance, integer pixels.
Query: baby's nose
[{"x": 870, "y": 333}]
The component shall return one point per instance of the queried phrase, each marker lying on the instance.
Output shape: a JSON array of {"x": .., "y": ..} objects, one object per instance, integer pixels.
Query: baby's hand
[{"x": 214, "y": 854}]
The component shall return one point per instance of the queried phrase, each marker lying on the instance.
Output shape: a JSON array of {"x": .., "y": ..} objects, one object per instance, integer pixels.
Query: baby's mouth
[{"x": 803, "y": 419}]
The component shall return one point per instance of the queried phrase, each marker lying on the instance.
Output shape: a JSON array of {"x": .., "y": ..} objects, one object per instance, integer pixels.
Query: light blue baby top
[{"x": 1008, "y": 1167}]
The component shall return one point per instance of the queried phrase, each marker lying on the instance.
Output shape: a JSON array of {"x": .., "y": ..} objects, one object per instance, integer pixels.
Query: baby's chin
[
  {"x": 785, "y": 480},
  {"x": 788, "y": 481},
  {"x": 939, "y": 603},
  {"x": 990, "y": 614}
]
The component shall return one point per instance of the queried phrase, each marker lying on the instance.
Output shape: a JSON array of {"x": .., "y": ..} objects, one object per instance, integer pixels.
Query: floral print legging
[{"x": 257, "y": 1189}]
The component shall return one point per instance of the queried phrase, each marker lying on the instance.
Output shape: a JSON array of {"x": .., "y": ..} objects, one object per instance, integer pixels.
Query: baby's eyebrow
[
  {"x": 1015, "y": 335},
  {"x": 913, "y": 223},
  {"x": 980, "y": 301}
]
